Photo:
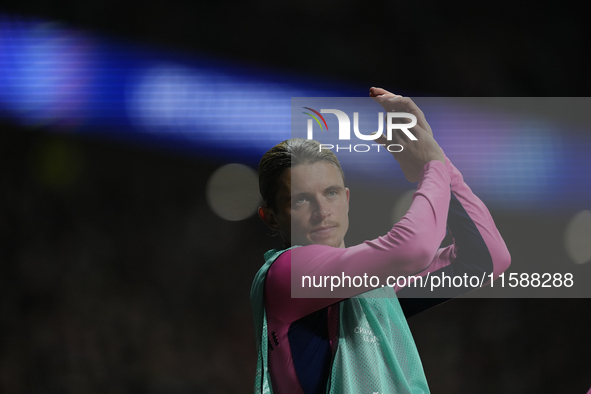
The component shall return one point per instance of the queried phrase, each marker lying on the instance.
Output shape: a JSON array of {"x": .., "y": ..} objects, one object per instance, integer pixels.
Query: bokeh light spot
[
  {"x": 232, "y": 192},
  {"x": 577, "y": 237}
]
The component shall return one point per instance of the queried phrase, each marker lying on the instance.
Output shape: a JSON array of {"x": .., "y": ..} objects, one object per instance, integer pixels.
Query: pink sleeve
[
  {"x": 483, "y": 220},
  {"x": 406, "y": 249},
  {"x": 473, "y": 228}
]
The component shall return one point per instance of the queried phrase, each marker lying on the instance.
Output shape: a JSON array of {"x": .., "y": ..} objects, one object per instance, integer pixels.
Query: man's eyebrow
[
  {"x": 297, "y": 193},
  {"x": 339, "y": 187}
]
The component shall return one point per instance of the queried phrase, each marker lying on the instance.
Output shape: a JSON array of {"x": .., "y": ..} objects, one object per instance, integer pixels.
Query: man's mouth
[{"x": 323, "y": 231}]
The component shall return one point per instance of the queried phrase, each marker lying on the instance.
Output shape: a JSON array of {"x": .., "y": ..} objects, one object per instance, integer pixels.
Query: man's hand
[{"x": 415, "y": 154}]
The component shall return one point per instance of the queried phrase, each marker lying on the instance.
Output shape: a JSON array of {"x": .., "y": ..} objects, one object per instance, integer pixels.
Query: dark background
[{"x": 116, "y": 277}]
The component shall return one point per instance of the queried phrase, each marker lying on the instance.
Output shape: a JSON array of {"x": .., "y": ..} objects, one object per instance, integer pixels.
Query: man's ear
[
  {"x": 268, "y": 216},
  {"x": 348, "y": 195}
]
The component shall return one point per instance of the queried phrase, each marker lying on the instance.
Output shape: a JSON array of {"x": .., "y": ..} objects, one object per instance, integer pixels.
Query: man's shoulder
[
  {"x": 270, "y": 257},
  {"x": 272, "y": 254},
  {"x": 258, "y": 284}
]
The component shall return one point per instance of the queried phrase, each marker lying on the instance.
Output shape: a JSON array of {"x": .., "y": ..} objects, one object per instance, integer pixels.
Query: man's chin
[
  {"x": 335, "y": 243},
  {"x": 326, "y": 242}
]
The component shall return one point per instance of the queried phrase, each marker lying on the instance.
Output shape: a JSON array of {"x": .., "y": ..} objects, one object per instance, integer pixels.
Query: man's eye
[{"x": 332, "y": 193}]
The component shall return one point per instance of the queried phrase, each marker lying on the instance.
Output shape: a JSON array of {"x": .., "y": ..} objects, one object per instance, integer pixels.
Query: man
[{"x": 359, "y": 344}]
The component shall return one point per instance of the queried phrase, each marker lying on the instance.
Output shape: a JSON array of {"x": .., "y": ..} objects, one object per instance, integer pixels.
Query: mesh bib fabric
[
  {"x": 376, "y": 353},
  {"x": 262, "y": 381}
]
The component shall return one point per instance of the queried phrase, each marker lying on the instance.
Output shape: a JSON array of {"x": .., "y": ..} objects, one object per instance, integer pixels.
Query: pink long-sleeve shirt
[{"x": 303, "y": 330}]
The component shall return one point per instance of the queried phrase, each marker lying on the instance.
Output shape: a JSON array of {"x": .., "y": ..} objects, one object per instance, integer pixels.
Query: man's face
[{"x": 313, "y": 205}]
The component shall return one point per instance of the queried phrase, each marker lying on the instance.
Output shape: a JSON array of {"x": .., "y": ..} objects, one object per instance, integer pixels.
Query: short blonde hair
[{"x": 287, "y": 154}]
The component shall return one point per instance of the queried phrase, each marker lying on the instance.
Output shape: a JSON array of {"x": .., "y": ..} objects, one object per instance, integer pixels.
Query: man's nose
[{"x": 321, "y": 210}]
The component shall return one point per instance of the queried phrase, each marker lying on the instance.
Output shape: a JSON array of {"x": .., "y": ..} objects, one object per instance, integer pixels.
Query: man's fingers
[
  {"x": 395, "y": 102},
  {"x": 387, "y": 101},
  {"x": 405, "y": 104},
  {"x": 381, "y": 95},
  {"x": 391, "y": 102},
  {"x": 374, "y": 92}
]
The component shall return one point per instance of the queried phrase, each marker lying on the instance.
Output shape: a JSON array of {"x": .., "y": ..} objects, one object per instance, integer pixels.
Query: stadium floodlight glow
[{"x": 62, "y": 79}]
